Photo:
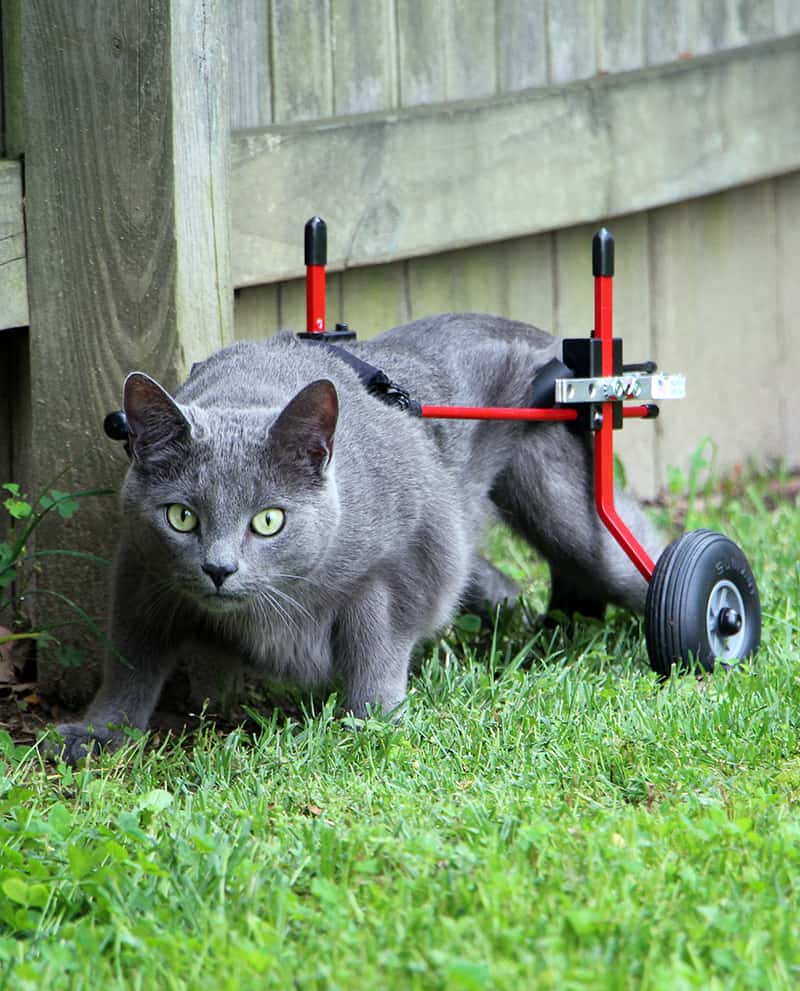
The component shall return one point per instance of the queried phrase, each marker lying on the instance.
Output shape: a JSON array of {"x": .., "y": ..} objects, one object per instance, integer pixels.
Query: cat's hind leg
[
  {"x": 488, "y": 588},
  {"x": 546, "y": 493}
]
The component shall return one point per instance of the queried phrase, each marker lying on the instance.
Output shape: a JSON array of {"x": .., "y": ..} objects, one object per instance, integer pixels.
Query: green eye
[
  {"x": 268, "y": 522},
  {"x": 181, "y": 518}
]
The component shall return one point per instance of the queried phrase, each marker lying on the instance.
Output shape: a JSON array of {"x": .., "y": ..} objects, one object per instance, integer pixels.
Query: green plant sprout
[{"x": 18, "y": 563}]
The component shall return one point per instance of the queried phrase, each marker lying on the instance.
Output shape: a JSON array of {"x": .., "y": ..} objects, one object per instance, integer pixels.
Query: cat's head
[{"x": 230, "y": 505}]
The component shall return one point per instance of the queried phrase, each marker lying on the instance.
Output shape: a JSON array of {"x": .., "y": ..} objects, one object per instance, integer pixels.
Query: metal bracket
[{"x": 619, "y": 387}]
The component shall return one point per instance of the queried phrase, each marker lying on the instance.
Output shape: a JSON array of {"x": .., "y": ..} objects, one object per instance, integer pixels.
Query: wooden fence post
[{"x": 126, "y": 184}]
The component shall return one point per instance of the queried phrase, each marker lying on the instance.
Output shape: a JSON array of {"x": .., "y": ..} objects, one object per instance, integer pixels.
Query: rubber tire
[{"x": 678, "y": 596}]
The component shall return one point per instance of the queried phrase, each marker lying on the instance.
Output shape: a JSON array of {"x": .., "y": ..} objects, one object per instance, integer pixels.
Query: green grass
[{"x": 546, "y": 816}]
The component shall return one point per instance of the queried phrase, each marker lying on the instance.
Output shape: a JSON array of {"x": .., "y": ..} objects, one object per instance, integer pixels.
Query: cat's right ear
[{"x": 156, "y": 424}]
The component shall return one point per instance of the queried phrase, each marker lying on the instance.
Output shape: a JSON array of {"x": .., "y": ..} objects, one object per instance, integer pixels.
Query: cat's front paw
[{"x": 78, "y": 740}]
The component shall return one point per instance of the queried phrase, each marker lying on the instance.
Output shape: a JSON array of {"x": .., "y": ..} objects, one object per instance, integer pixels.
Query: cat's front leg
[
  {"x": 371, "y": 657},
  {"x": 136, "y": 667}
]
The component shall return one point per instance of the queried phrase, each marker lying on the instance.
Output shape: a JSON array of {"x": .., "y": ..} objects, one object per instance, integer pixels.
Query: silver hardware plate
[{"x": 617, "y": 388}]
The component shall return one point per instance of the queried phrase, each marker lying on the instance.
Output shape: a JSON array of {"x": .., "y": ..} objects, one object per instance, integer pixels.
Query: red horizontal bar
[
  {"x": 496, "y": 413},
  {"x": 634, "y": 411}
]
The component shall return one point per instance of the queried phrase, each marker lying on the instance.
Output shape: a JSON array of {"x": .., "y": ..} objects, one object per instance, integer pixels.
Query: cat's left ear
[{"x": 303, "y": 431}]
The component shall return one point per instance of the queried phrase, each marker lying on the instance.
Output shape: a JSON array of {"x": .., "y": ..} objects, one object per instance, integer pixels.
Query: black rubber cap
[
  {"x": 603, "y": 252},
  {"x": 316, "y": 242},
  {"x": 116, "y": 425}
]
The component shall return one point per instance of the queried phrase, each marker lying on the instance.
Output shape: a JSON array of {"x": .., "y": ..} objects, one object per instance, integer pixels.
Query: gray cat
[{"x": 278, "y": 513}]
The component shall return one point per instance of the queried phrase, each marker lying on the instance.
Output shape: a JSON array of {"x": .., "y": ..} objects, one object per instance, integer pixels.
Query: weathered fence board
[
  {"x": 571, "y": 40},
  {"x": 251, "y": 66},
  {"x": 711, "y": 274},
  {"x": 364, "y": 65},
  {"x": 127, "y": 129},
  {"x": 13, "y": 277},
  {"x": 521, "y": 27},
  {"x": 786, "y": 377},
  {"x": 620, "y": 35},
  {"x": 422, "y": 42},
  {"x": 301, "y": 59},
  {"x": 435, "y": 179}
]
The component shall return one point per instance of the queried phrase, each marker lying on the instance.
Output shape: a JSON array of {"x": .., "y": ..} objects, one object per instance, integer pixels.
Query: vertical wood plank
[
  {"x": 636, "y": 442},
  {"x": 528, "y": 266},
  {"x": 422, "y": 43},
  {"x": 620, "y": 35},
  {"x": 521, "y": 28},
  {"x": 470, "y": 50},
  {"x": 255, "y": 313},
  {"x": 374, "y": 298},
  {"x": 249, "y": 61},
  {"x": 571, "y": 34},
  {"x": 721, "y": 24},
  {"x": 787, "y": 17},
  {"x": 667, "y": 31},
  {"x": 714, "y": 280},
  {"x": 364, "y": 63},
  {"x": 126, "y": 207},
  {"x": 13, "y": 276},
  {"x": 471, "y": 280},
  {"x": 301, "y": 60},
  {"x": 787, "y": 212},
  {"x": 12, "y": 111}
]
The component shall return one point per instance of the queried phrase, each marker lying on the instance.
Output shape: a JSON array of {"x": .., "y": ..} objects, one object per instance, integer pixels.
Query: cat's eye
[
  {"x": 268, "y": 522},
  {"x": 181, "y": 518}
]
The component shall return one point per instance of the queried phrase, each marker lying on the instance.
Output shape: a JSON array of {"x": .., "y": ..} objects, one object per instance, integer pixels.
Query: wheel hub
[{"x": 725, "y": 620}]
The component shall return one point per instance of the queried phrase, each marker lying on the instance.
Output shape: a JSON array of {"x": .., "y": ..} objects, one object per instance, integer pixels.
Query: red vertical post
[
  {"x": 316, "y": 257},
  {"x": 603, "y": 271}
]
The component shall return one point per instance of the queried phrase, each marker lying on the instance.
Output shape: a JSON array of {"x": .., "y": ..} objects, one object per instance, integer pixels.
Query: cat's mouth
[{"x": 221, "y": 601}]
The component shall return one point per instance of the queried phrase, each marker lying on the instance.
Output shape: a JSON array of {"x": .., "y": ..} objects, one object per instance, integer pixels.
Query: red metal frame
[
  {"x": 604, "y": 435},
  {"x": 315, "y": 299},
  {"x": 497, "y": 413}
]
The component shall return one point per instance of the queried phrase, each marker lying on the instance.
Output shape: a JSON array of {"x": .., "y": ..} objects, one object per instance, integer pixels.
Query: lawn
[{"x": 547, "y": 815}]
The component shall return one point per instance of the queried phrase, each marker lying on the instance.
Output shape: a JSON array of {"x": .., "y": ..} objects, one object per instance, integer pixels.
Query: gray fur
[{"x": 385, "y": 516}]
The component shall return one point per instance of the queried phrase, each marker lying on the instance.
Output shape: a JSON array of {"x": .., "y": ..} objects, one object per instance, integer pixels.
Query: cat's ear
[
  {"x": 303, "y": 431},
  {"x": 156, "y": 425}
]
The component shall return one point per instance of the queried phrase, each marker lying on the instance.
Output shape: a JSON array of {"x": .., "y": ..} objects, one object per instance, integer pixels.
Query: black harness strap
[{"x": 376, "y": 382}]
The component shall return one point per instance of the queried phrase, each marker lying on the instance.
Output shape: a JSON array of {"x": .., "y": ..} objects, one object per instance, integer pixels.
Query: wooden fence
[{"x": 462, "y": 153}]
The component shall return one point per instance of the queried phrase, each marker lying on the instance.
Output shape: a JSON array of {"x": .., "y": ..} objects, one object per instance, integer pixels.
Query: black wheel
[{"x": 702, "y": 604}]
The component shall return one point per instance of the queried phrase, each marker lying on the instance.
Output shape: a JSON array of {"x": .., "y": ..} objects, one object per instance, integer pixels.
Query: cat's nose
[{"x": 219, "y": 572}]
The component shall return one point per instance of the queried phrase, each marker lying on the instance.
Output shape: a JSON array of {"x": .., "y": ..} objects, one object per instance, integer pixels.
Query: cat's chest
[{"x": 292, "y": 649}]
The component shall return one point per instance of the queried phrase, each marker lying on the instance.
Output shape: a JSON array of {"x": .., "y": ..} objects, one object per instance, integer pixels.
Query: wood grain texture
[
  {"x": 422, "y": 44},
  {"x": 787, "y": 16},
  {"x": 13, "y": 275},
  {"x": 255, "y": 312},
  {"x": 250, "y": 74},
  {"x": 364, "y": 60},
  {"x": 126, "y": 114},
  {"x": 571, "y": 34},
  {"x": 375, "y": 298},
  {"x": 470, "y": 50},
  {"x": 787, "y": 214},
  {"x": 667, "y": 31},
  {"x": 721, "y": 24},
  {"x": 528, "y": 264},
  {"x": 469, "y": 281},
  {"x": 435, "y": 179},
  {"x": 302, "y": 76},
  {"x": 521, "y": 30},
  {"x": 714, "y": 318},
  {"x": 13, "y": 141},
  {"x": 620, "y": 35}
]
